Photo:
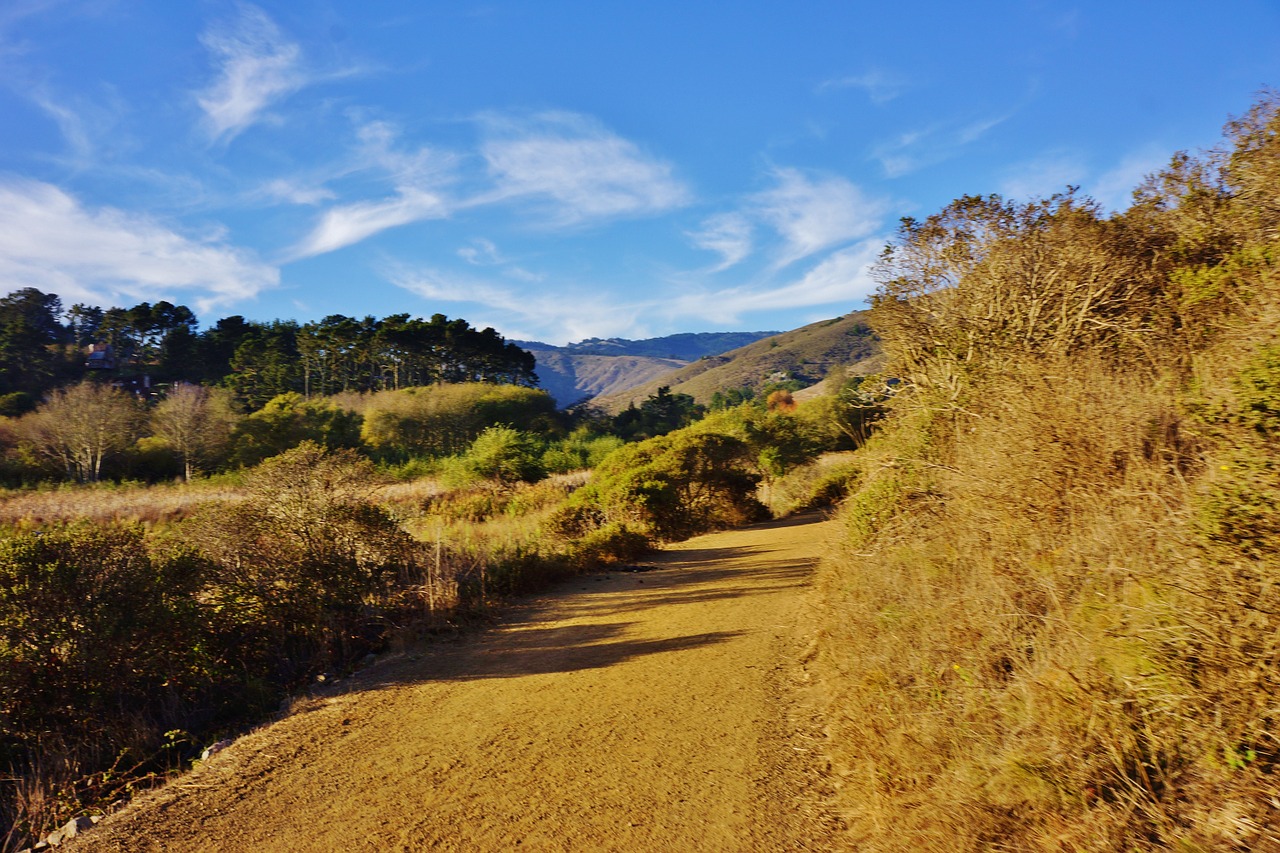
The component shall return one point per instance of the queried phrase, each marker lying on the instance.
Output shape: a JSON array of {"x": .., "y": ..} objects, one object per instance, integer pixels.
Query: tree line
[{"x": 43, "y": 347}]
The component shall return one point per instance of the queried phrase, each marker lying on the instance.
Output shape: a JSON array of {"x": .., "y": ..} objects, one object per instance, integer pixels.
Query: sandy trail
[{"x": 651, "y": 710}]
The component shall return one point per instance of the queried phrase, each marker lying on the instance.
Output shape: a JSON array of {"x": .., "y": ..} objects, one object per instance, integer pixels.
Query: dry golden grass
[
  {"x": 1030, "y": 642},
  {"x": 108, "y": 503},
  {"x": 1037, "y": 653},
  {"x": 1056, "y": 624}
]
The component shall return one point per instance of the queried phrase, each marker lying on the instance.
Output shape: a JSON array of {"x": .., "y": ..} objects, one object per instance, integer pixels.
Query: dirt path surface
[{"x": 639, "y": 710}]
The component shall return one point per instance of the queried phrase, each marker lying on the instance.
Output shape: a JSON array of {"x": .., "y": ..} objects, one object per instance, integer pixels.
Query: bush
[
  {"x": 676, "y": 485},
  {"x": 609, "y": 545},
  {"x": 506, "y": 455},
  {"x": 299, "y": 557},
  {"x": 102, "y": 650},
  {"x": 288, "y": 420},
  {"x": 443, "y": 420}
]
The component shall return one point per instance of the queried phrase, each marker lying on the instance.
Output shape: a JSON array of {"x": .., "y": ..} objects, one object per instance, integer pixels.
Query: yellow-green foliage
[
  {"x": 286, "y": 421},
  {"x": 440, "y": 420},
  {"x": 669, "y": 487},
  {"x": 1056, "y": 623}
]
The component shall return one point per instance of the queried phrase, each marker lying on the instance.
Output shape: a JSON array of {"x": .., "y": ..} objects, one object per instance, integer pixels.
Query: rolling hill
[
  {"x": 807, "y": 354},
  {"x": 609, "y": 366}
]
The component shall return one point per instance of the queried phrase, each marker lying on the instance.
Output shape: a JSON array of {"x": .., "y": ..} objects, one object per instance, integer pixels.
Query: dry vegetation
[
  {"x": 108, "y": 503},
  {"x": 1056, "y": 625}
]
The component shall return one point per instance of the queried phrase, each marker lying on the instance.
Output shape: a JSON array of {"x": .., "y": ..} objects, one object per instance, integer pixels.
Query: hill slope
[
  {"x": 608, "y": 366},
  {"x": 573, "y": 377},
  {"x": 806, "y": 354}
]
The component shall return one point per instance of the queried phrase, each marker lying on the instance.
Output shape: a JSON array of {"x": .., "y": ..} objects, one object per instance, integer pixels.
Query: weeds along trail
[{"x": 634, "y": 710}]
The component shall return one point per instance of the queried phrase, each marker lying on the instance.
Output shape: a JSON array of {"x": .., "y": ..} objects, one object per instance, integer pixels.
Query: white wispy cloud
[
  {"x": 292, "y": 192},
  {"x": 50, "y": 241},
  {"x": 1043, "y": 176},
  {"x": 524, "y": 312},
  {"x": 1114, "y": 188},
  {"x": 812, "y": 213},
  {"x": 480, "y": 252},
  {"x": 347, "y": 224},
  {"x": 880, "y": 86},
  {"x": 257, "y": 66},
  {"x": 726, "y": 234},
  {"x": 69, "y": 122},
  {"x": 916, "y": 149},
  {"x": 576, "y": 168},
  {"x": 841, "y": 280},
  {"x": 417, "y": 178}
]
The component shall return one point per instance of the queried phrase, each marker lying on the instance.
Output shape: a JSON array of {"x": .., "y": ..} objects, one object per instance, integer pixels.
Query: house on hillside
[{"x": 100, "y": 357}]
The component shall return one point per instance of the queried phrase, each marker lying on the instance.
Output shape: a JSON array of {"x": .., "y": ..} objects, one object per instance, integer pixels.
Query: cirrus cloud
[
  {"x": 577, "y": 168},
  {"x": 816, "y": 213},
  {"x": 257, "y": 66}
]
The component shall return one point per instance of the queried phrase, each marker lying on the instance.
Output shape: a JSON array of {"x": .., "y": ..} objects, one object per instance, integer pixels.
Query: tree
[
  {"x": 29, "y": 331},
  {"x": 265, "y": 363},
  {"x": 82, "y": 324},
  {"x": 80, "y": 427},
  {"x": 196, "y": 422},
  {"x": 660, "y": 414}
]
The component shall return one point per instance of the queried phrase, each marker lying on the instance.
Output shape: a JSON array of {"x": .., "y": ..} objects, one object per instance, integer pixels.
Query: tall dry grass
[
  {"x": 106, "y": 503},
  {"x": 1056, "y": 621}
]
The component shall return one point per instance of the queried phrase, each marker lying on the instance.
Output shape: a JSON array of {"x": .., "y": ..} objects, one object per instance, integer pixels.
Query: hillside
[
  {"x": 573, "y": 377},
  {"x": 806, "y": 354},
  {"x": 686, "y": 346},
  {"x": 608, "y": 366}
]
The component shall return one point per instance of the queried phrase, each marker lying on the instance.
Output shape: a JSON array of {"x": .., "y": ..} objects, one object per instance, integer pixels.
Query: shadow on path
[{"x": 523, "y": 643}]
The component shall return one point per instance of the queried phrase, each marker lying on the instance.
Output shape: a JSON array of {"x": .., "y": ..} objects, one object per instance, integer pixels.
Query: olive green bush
[{"x": 670, "y": 487}]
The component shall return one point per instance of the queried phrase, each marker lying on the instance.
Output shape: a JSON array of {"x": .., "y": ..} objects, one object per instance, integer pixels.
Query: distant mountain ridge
[
  {"x": 686, "y": 346},
  {"x": 608, "y": 366},
  {"x": 808, "y": 355}
]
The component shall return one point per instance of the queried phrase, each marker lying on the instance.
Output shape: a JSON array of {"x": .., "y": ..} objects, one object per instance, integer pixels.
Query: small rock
[
  {"x": 215, "y": 749},
  {"x": 73, "y": 827}
]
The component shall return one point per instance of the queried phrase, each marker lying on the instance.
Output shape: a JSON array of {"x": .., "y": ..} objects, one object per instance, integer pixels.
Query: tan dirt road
[{"x": 648, "y": 710}]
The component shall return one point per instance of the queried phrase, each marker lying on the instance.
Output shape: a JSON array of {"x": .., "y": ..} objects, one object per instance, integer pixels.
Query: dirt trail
[{"x": 648, "y": 710}]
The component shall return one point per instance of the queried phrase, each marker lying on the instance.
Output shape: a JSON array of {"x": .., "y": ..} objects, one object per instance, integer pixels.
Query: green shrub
[
  {"x": 506, "y": 455},
  {"x": 676, "y": 485},
  {"x": 609, "y": 545},
  {"x": 16, "y": 404},
  {"x": 288, "y": 420},
  {"x": 442, "y": 420}
]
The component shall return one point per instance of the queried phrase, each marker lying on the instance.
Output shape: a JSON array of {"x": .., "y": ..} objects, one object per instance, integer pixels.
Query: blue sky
[{"x": 564, "y": 170}]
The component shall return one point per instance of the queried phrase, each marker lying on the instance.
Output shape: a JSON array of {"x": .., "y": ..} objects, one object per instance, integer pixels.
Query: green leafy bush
[
  {"x": 506, "y": 455},
  {"x": 675, "y": 485},
  {"x": 611, "y": 544},
  {"x": 443, "y": 420},
  {"x": 288, "y": 420}
]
